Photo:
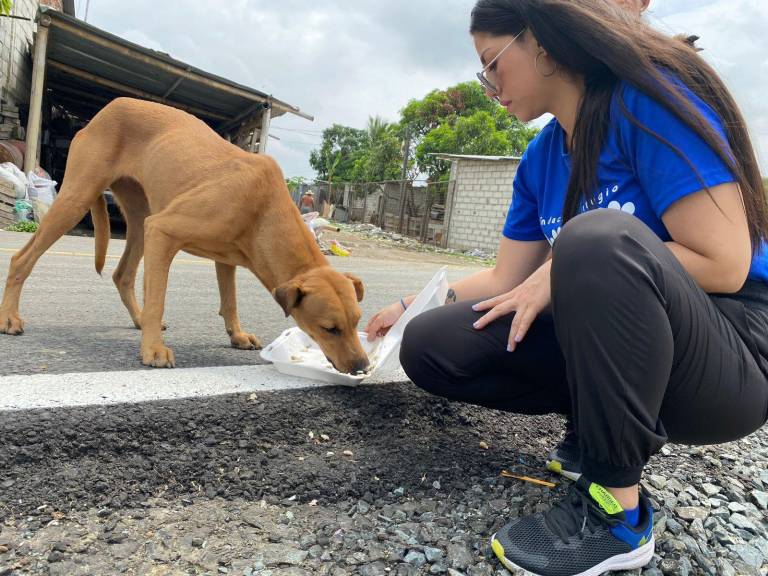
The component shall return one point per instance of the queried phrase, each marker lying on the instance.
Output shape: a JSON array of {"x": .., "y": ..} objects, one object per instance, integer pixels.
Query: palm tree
[{"x": 377, "y": 127}]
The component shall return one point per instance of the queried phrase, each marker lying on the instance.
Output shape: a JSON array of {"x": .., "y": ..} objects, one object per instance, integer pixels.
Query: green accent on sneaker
[
  {"x": 643, "y": 541},
  {"x": 498, "y": 549},
  {"x": 555, "y": 466},
  {"x": 604, "y": 498}
]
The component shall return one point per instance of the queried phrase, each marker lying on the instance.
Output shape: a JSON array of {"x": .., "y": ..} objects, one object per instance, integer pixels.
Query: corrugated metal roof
[
  {"x": 442, "y": 156},
  {"x": 88, "y": 67}
]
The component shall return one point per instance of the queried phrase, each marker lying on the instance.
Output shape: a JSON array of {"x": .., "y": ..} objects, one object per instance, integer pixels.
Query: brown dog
[{"x": 182, "y": 187}]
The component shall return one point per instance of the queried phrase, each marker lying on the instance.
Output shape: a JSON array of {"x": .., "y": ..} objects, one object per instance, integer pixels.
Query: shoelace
[{"x": 573, "y": 514}]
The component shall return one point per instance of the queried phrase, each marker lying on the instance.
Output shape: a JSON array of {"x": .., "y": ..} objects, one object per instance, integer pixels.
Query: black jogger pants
[{"x": 633, "y": 350}]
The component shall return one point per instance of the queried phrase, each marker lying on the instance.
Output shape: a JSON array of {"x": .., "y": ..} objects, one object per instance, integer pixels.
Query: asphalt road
[
  {"x": 75, "y": 321},
  {"x": 215, "y": 470}
]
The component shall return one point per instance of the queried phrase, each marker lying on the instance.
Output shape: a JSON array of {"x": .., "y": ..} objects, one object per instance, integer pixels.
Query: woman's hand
[
  {"x": 527, "y": 301},
  {"x": 382, "y": 321}
]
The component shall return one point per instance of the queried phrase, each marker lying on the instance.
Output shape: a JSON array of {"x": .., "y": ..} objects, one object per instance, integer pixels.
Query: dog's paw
[
  {"x": 158, "y": 356},
  {"x": 11, "y": 323},
  {"x": 245, "y": 341}
]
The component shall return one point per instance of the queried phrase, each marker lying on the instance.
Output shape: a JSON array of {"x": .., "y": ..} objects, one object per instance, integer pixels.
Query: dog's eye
[{"x": 335, "y": 331}]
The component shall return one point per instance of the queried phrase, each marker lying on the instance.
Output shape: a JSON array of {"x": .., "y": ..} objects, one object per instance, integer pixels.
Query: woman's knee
[
  {"x": 435, "y": 352},
  {"x": 594, "y": 246},
  {"x": 419, "y": 355}
]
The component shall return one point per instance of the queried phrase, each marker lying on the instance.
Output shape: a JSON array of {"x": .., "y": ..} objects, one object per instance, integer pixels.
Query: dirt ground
[{"x": 362, "y": 245}]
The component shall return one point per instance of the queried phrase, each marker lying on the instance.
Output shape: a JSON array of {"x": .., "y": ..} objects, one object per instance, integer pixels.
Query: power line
[{"x": 298, "y": 130}]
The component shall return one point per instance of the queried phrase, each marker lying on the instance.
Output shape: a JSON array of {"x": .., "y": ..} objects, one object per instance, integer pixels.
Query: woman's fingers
[
  {"x": 496, "y": 312},
  {"x": 491, "y": 302},
  {"x": 373, "y": 327},
  {"x": 485, "y": 305},
  {"x": 524, "y": 317}
]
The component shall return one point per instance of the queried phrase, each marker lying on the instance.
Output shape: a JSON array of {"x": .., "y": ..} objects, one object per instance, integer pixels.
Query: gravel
[{"x": 237, "y": 486}]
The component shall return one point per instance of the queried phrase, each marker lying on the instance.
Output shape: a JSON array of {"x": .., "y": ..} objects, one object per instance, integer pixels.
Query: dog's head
[{"x": 324, "y": 304}]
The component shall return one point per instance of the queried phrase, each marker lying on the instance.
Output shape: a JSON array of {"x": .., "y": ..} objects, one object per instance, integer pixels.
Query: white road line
[{"x": 26, "y": 392}]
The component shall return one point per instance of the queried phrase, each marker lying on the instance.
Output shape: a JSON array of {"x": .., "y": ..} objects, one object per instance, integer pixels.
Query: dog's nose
[{"x": 360, "y": 365}]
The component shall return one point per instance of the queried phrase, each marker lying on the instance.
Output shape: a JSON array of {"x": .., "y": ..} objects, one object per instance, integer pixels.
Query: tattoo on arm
[{"x": 451, "y": 297}]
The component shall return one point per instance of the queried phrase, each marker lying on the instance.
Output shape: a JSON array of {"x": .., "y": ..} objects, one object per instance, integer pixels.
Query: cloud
[
  {"x": 344, "y": 61},
  {"x": 733, "y": 35}
]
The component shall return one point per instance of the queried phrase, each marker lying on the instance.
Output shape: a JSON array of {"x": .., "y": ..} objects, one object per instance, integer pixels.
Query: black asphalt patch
[{"x": 364, "y": 441}]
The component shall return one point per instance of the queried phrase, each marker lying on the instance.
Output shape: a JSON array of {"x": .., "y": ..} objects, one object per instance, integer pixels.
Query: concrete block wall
[{"x": 483, "y": 192}]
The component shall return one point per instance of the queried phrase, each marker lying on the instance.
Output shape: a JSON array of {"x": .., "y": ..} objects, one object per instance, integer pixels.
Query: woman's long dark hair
[{"x": 598, "y": 41}]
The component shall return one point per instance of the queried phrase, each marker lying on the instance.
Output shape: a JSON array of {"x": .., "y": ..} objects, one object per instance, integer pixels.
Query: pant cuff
[{"x": 609, "y": 475}]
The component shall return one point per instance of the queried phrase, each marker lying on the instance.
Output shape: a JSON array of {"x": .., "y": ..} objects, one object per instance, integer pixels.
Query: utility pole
[{"x": 403, "y": 175}]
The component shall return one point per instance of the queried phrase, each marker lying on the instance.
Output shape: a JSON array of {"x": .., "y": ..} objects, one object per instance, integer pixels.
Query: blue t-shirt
[{"x": 636, "y": 172}]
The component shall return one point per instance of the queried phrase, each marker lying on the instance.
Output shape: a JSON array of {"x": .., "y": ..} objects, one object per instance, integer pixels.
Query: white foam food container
[{"x": 296, "y": 354}]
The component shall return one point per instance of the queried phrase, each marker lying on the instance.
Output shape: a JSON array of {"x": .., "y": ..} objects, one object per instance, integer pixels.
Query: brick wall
[{"x": 480, "y": 202}]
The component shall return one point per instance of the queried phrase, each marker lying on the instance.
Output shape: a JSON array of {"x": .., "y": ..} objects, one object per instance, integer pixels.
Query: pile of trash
[
  {"x": 319, "y": 225},
  {"x": 34, "y": 192},
  {"x": 392, "y": 238}
]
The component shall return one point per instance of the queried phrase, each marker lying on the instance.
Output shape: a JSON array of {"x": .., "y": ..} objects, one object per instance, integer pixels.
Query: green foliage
[
  {"x": 439, "y": 106},
  {"x": 294, "y": 182},
  {"x": 382, "y": 155},
  {"x": 341, "y": 148},
  {"x": 458, "y": 120},
  {"x": 23, "y": 227},
  {"x": 478, "y": 126}
]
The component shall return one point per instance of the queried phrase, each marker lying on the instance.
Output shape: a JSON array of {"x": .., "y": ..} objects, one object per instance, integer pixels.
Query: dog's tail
[{"x": 101, "y": 231}]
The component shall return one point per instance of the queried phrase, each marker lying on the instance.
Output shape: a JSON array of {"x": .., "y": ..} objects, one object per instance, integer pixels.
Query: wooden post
[
  {"x": 265, "y": 118},
  {"x": 403, "y": 191},
  {"x": 252, "y": 143},
  {"x": 36, "y": 95}
]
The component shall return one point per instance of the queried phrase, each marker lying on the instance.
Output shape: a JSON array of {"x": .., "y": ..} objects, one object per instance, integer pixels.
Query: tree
[
  {"x": 351, "y": 155},
  {"x": 341, "y": 148},
  {"x": 458, "y": 120},
  {"x": 462, "y": 120},
  {"x": 382, "y": 157},
  {"x": 440, "y": 106},
  {"x": 294, "y": 182}
]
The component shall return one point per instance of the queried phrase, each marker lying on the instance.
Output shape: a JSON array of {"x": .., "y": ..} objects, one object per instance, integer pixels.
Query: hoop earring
[{"x": 536, "y": 65}]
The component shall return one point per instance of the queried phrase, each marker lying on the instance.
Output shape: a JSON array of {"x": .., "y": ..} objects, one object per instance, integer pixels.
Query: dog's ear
[
  {"x": 289, "y": 296},
  {"x": 359, "y": 290}
]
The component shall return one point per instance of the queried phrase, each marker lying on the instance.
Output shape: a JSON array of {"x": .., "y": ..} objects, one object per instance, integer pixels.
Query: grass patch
[{"x": 23, "y": 227}]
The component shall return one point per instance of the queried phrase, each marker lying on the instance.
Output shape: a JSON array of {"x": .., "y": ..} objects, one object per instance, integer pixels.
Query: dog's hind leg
[
  {"x": 80, "y": 189},
  {"x": 133, "y": 204},
  {"x": 225, "y": 274}
]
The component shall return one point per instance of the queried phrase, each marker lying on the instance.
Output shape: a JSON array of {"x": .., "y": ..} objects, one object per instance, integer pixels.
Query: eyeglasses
[{"x": 485, "y": 73}]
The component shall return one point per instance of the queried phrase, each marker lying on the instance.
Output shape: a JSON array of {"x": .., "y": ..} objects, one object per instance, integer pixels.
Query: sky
[{"x": 345, "y": 60}]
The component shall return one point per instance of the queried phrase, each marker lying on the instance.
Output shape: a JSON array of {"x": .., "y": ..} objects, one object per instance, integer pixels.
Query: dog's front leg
[
  {"x": 160, "y": 248},
  {"x": 225, "y": 274}
]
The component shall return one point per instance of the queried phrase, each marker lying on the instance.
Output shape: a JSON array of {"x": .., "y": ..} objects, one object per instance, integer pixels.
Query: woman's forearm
[
  {"x": 713, "y": 276},
  {"x": 482, "y": 284}
]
